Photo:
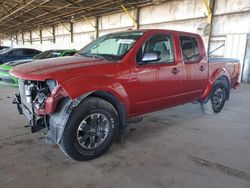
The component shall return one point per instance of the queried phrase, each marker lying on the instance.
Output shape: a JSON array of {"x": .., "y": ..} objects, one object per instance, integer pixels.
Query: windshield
[
  {"x": 112, "y": 46},
  {"x": 48, "y": 54}
]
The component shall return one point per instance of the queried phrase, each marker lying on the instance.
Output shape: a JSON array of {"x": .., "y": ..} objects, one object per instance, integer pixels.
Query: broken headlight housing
[
  {"x": 40, "y": 98},
  {"x": 36, "y": 92},
  {"x": 43, "y": 93},
  {"x": 51, "y": 84}
]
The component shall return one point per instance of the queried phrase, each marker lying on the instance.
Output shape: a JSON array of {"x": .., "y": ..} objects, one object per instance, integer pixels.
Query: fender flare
[
  {"x": 58, "y": 120},
  {"x": 220, "y": 74}
]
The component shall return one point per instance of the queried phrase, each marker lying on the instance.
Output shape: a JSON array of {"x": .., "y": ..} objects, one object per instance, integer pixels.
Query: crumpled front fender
[{"x": 87, "y": 84}]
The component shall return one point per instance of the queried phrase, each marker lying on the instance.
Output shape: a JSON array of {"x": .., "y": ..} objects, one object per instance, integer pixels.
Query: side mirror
[{"x": 150, "y": 57}]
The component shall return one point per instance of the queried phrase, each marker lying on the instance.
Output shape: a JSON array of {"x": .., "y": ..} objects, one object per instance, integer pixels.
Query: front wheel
[
  {"x": 216, "y": 100},
  {"x": 90, "y": 130}
]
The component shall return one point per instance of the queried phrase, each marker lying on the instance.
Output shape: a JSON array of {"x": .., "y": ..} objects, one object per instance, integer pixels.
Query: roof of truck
[{"x": 159, "y": 30}]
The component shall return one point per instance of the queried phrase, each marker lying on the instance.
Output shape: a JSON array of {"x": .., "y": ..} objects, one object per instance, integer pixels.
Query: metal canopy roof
[{"x": 24, "y": 15}]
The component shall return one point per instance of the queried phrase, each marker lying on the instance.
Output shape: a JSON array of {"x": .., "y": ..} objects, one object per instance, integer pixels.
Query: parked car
[
  {"x": 3, "y": 48},
  {"x": 17, "y": 54},
  {"x": 85, "y": 102},
  {"x": 7, "y": 79},
  {"x": 55, "y": 53}
]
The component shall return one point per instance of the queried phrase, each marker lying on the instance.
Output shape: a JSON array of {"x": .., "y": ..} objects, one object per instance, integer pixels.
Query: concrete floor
[{"x": 180, "y": 147}]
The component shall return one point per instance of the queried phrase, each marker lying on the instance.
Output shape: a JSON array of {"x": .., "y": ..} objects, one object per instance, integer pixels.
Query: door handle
[
  {"x": 202, "y": 68},
  {"x": 175, "y": 70}
]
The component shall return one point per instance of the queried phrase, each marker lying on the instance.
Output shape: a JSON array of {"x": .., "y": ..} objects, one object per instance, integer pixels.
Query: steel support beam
[
  {"x": 97, "y": 27},
  {"x": 135, "y": 23},
  {"x": 23, "y": 38},
  {"x": 71, "y": 32},
  {"x": 16, "y": 40},
  {"x": 209, "y": 11},
  {"x": 54, "y": 34},
  {"x": 15, "y": 11},
  {"x": 137, "y": 12},
  {"x": 41, "y": 36},
  {"x": 31, "y": 37},
  {"x": 209, "y": 4},
  {"x": 30, "y": 14}
]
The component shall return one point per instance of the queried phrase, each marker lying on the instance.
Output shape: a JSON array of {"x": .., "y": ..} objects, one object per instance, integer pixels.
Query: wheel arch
[
  {"x": 59, "y": 119},
  {"x": 225, "y": 81},
  {"x": 118, "y": 105},
  {"x": 219, "y": 75}
]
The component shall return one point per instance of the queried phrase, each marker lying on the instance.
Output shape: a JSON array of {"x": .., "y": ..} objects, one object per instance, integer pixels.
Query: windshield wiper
[
  {"x": 109, "y": 56},
  {"x": 92, "y": 55}
]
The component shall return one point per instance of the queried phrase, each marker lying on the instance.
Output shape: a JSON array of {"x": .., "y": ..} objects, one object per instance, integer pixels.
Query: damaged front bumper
[
  {"x": 52, "y": 114},
  {"x": 36, "y": 122},
  {"x": 37, "y": 101}
]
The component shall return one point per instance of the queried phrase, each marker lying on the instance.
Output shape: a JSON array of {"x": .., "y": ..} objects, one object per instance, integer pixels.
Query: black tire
[
  {"x": 216, "y": 99},
  {"x": 82, "y": 129}
]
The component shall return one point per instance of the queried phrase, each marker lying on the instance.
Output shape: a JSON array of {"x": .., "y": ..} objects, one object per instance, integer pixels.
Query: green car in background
[{"x": 7, "y": 79}]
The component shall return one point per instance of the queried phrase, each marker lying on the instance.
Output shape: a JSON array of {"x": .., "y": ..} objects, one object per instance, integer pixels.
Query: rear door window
[{"x": 190, "y": 49}]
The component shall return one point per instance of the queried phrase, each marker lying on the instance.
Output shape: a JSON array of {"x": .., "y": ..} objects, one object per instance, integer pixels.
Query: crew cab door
[
  {"x": 195, "y": 70},
  {"x": 158, "y": 82}
]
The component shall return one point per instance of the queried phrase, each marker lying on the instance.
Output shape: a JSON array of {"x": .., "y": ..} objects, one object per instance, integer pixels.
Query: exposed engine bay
[{"x": 32, "y": 99}]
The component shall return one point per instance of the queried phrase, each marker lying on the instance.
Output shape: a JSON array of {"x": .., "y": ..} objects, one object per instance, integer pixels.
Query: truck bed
[{"x": 230, "y": 64}]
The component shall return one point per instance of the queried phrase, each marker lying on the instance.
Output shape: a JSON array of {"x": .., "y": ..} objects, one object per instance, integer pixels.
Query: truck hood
[{"x": 55, "y": 68}]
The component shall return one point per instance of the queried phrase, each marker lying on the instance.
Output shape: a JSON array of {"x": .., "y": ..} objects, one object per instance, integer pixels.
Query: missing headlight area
[
  {"x": 32, "y": 97},
  {"x": 35, "y": 92}
]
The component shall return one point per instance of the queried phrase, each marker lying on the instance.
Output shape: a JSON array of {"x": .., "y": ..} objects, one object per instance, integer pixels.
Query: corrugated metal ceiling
[{"x": 24, "y": 15}]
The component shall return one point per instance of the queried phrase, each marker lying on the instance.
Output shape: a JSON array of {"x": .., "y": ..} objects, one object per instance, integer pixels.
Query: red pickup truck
[{"x": 84, "y": 102}]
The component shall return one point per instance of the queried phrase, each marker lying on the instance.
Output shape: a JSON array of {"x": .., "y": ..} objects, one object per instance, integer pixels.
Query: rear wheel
[
  {"x": 216, "y": 100},
  {"x": 90, "y": 130}
]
